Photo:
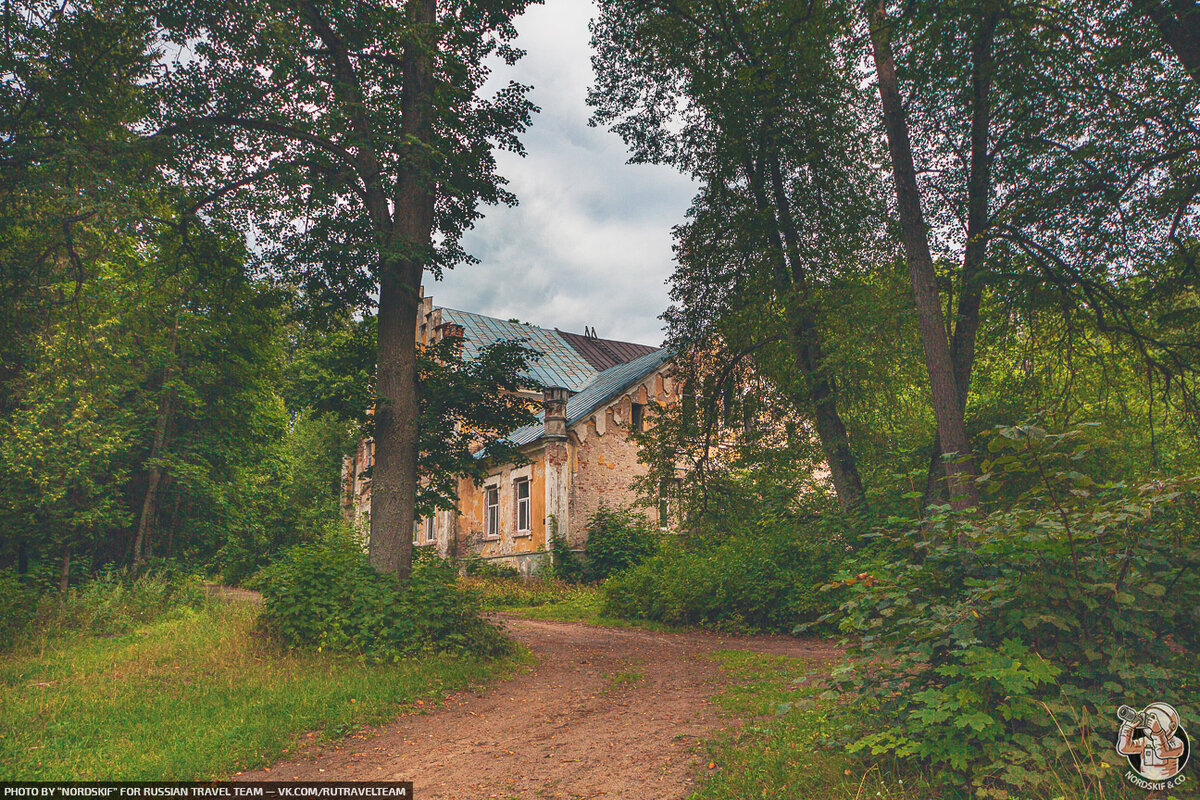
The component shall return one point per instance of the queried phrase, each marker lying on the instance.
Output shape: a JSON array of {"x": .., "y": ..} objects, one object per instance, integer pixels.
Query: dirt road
[{"x": 607, "y": 712}]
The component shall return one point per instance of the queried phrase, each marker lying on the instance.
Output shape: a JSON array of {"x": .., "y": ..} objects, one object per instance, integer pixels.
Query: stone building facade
[{"x": 579, "y": 452}]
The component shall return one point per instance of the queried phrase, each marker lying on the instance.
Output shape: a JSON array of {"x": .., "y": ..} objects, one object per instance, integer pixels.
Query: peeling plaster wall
[
  {"x": 570, "y": 480},
  {"x": 522, "y": 550},
  {"x": 605, "y": 460}
]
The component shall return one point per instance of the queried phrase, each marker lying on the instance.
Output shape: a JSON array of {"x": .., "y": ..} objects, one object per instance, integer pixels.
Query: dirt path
[{"x": 607, "y": 712}]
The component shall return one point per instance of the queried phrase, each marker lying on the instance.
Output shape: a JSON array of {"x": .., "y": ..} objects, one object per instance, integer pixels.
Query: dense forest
[{"x": 935, "y": 308}]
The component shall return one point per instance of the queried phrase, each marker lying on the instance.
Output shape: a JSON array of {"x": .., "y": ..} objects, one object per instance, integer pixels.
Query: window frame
[
  {"x": 637, "y": 417},
  {"x": 491, "y": 512},
  {"x": 524, "y": 505}
]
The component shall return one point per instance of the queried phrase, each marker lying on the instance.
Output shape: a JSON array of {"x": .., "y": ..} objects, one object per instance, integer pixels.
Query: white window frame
[
  {"x": 491, "y": 512},
  {"x": 523, "y": 505},
  {"x": 430, "y": 529}
]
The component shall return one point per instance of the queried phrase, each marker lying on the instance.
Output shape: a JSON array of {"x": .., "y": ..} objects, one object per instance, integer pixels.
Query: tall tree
[
  {"x": 760, "y": 105},
  {"x": 355, "y": 137}
]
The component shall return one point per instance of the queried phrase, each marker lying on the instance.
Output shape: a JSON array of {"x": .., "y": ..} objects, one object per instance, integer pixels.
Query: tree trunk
[
  {"x": 64, "y": 575},
  {"x": 979, "y": 187},
  {"x": 1178, "y": 23},
  {"x": 394, "y": 480},
  {"x": 835, "y": 442},
  {"x": 156, "y": 476},
  {"x": 952, "y": 432},
  {"x": 805, "y": 343}
]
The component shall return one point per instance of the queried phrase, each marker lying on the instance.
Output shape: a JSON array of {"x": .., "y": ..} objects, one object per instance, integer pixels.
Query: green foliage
[
  {"x": 762, "y": 575},
  {"x": 998, "y": 648},
  {"x": 617, "y": 538},
  {"x": 198, "y": 695},
  {"x": 478, "y": 566},
  {"x": 18, "y": 604},
  {"x": 116, "y": 602},
  {"x": 324, "y": 595},
  {"x": 517, "y": 591},
  {"x": 567, "y": 566}
]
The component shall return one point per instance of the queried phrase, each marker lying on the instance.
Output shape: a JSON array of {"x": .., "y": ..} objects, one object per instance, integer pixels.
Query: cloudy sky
[{"x": 590, "y": 242}]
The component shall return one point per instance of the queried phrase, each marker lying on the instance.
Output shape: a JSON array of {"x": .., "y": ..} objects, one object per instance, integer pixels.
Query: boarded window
[{"x": 521, "y": 493}]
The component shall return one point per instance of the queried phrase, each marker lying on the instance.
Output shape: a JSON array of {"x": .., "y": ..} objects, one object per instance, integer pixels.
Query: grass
[
  {"x": 793, "y": 745},
  {"x": 552, "y": 600},
  {"x": 196, "y": 694}
]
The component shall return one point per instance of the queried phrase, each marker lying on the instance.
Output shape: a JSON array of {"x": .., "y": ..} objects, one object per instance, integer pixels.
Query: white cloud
[{"x": 590, "y": 242}]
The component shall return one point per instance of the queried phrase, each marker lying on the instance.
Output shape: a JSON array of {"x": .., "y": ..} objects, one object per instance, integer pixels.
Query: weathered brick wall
[{"x": 606, "y": 459}]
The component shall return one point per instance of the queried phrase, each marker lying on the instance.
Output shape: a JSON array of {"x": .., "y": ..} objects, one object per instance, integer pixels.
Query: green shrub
[
  {"x": 567, "y": 565},
  {"x": 325, "y": 595},
  {"x": 765, "y": 578},
  {"x": 18, "y": 604},
  {"x": 117, "y": 601},
  {"x": 477, "y": 565},
  {"x": 996, "y": 649},
  {"x": 618, "y": 538}
]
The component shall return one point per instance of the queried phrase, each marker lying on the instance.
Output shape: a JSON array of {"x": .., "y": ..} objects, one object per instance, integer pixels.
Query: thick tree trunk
[
  {"x": 952, "y": 432},
  {"x": 394, "y": 480},
  {"x": 1178, "y": 22}
]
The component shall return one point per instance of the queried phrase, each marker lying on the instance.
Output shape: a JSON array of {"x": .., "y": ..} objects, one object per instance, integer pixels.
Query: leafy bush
[
  {"x": 618, "y": 538},
  {"x": 567, "y": 565},
  {"x": 997, "y": 649},
  {"x": 325, "y": 595},
  {"x": 477, "y": 565},
  {"x": 18, "y": 604},
  {"x": 764, "y": 578},
  {"x": 117, "y": 601}
]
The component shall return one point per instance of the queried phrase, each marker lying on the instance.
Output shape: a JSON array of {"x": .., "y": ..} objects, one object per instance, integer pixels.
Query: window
[
  {"x": 430, "y": 535},
  {"x": 668, "y": 500},
  {"x": 416, "y": 530},
  {"x": 637, "y": 417},
  {"x": 369, "y": 454},
  {"x": 521, "y": 493},
  {"x": 492, "y": 521}
]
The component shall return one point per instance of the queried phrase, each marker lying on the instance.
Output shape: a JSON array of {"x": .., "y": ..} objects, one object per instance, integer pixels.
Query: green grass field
[
  {"x": 793, "y": 744},
  {"x": 196, "y": 694}
]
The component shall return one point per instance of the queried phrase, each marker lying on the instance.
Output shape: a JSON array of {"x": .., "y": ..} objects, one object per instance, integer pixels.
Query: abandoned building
[{"x": 579, "y": 452}]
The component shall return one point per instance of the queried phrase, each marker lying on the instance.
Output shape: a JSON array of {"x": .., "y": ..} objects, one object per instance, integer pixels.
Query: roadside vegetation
[{"x": 191, "y": 687}]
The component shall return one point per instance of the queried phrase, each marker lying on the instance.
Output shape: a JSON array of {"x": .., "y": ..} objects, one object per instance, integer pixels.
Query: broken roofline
[{"x": 602, "y": 390}]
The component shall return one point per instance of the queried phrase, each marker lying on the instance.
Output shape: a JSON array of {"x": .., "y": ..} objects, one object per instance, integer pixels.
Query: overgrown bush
[
  {"x": 477, "y": 565},
  {"x": 766, "y": 577},
  {"x": 567, "y": 565},
  {"x": 18, "y": 604},
  {"x": 996, "y": 649},
  {"x": 617, "y": 539},
  {"x": 325, "y": 595}
]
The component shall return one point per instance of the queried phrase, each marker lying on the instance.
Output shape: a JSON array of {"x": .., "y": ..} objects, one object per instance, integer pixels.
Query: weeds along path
[{"x": 606, "y": 712}]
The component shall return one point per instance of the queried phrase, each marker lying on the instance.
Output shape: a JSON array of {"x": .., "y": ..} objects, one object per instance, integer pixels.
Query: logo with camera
[{"x": 1155, "y": 744}]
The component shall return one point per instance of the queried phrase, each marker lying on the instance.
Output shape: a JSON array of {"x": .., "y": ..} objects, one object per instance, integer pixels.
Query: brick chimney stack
[{"x": 555, "y": 403}]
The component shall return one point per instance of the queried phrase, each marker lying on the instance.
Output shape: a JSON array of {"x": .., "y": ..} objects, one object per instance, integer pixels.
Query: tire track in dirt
[{"x": 581, "y": 724}]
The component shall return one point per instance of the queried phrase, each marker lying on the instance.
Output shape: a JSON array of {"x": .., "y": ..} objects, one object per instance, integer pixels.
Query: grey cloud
[{"x": 590, "y": 242}]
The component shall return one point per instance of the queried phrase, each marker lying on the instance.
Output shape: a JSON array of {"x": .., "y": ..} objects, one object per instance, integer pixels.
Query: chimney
[{"x": 555, "y": 404}]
